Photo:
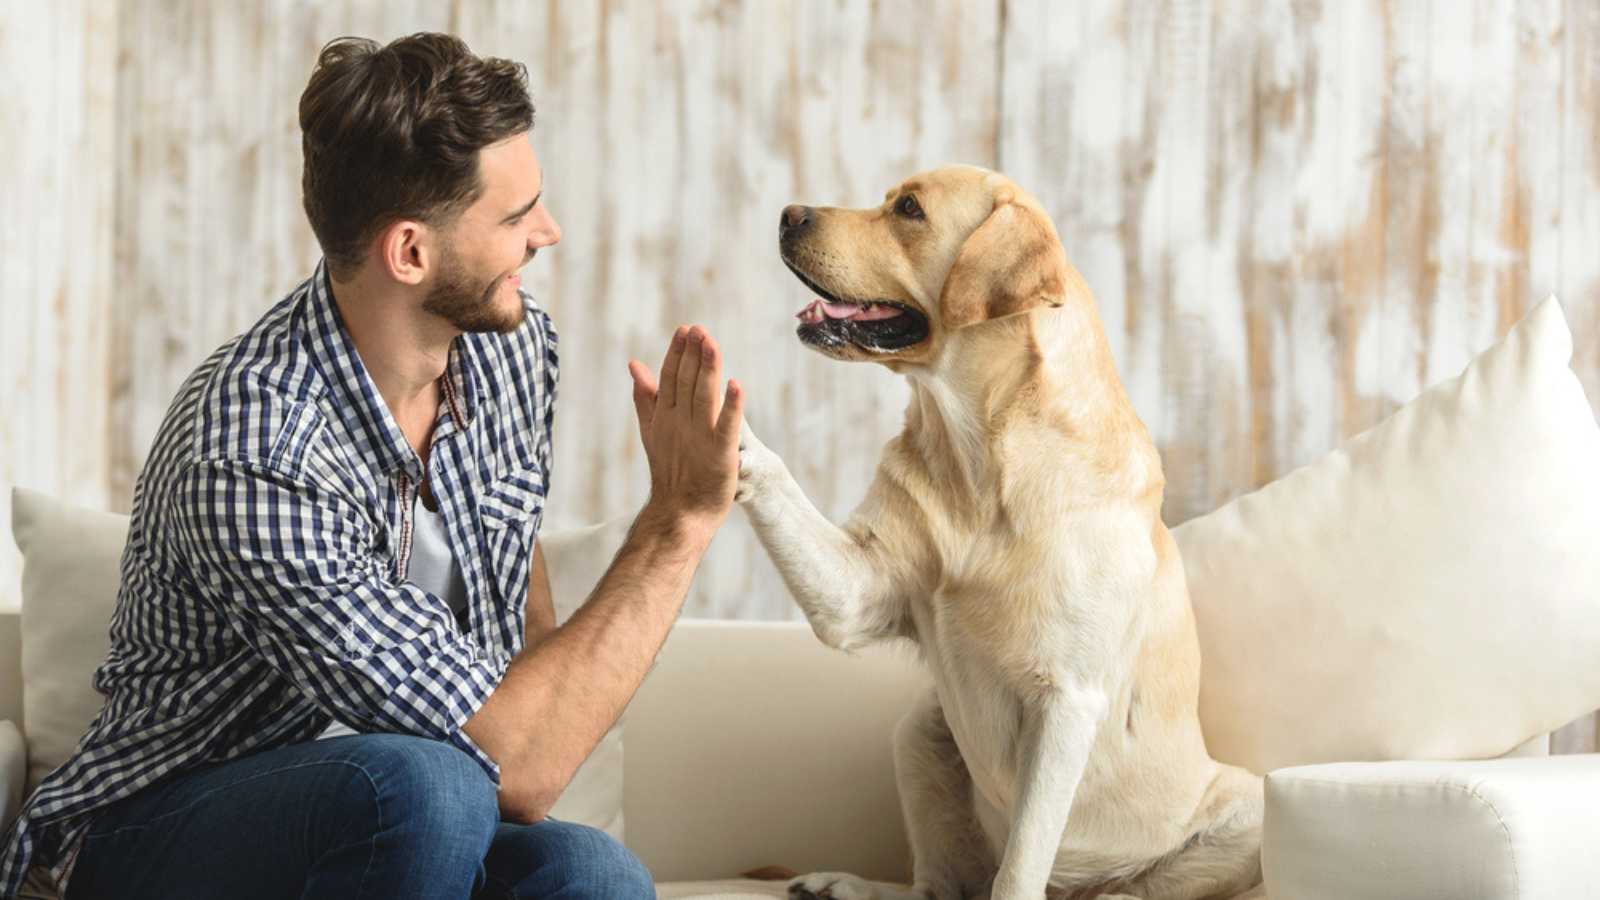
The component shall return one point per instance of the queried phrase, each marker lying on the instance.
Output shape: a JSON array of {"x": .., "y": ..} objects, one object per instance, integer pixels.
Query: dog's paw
[
  {"x": 831, "y": 886},
  {"x": 758, "y": 466}
]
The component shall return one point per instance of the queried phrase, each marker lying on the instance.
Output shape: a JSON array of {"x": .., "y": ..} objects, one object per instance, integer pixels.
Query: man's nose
[
  {"x": 794, "y": 220},
  {"x": 545, "y": 233}
]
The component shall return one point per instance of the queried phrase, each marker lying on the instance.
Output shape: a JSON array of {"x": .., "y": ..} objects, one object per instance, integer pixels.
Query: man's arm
[
  {"x": 561, "y": 693},
  {"x": 540, "y": 618}
]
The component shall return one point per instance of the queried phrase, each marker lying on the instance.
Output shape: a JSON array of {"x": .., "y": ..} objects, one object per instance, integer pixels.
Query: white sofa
[{"x": 752, "y": 745}]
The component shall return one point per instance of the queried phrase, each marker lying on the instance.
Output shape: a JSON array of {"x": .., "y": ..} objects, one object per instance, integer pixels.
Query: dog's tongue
[
  {"x": 857, "y": 313},
  {"x": 819, "y": 309}
]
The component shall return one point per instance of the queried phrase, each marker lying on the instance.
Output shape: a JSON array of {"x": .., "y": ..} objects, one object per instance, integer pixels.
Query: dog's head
[{"x": 945, "y": 250}]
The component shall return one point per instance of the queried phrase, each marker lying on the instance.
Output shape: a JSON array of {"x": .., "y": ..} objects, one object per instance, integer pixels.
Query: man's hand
[
  {"x": 690, "y": 430},
  {"x": 561, "y": 693}
]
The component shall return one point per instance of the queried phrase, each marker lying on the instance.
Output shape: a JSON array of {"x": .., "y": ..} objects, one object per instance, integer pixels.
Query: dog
[{"x": 1013, "y": 533}]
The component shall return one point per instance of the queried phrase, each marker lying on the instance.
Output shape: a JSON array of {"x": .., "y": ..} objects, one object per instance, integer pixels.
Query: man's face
[{"x": 482, "y": 252}]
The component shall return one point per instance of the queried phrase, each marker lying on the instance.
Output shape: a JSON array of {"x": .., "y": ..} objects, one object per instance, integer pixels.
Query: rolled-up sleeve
[{"x": 291, "y": 564}]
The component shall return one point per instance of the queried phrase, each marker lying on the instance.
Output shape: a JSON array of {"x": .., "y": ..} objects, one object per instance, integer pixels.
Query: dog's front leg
[
  {"x": 1058, "y": 729},
  {"x": 839, "y": 580}
]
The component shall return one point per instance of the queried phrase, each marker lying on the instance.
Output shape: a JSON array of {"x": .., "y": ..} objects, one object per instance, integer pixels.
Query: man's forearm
[{"x": 564, "y": 691}]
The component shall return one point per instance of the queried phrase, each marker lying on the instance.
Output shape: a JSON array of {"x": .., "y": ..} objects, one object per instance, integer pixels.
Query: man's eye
[{"x": 907, "y": 206}]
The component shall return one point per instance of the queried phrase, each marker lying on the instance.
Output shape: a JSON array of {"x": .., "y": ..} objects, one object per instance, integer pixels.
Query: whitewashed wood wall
[{"x": 1295, "y": 215}]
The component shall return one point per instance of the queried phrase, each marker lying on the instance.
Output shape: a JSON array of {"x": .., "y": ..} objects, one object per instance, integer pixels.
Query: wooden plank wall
[
  {"x": 1294, "y": 215},
  {"x": 56, "y": 238}
]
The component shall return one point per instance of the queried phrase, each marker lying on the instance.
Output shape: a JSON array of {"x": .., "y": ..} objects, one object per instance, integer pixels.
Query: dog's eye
[{"x": 907, "y": 206}]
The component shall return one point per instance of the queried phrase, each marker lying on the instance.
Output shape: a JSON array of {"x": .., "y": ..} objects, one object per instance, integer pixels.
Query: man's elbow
[{"x": 526, "y": 800}]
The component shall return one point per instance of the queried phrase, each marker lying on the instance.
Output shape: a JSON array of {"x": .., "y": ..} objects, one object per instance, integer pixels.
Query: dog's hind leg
[
  {"x": 1223, "y": 859},
  {"x": 951, "y": 858}
]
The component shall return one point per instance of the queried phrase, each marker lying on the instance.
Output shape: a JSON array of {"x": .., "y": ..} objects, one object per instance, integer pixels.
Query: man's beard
[{"x": 467, "y": 305}]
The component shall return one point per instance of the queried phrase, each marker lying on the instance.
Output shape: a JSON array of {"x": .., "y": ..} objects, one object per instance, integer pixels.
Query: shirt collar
[{"x": 355, "y": 397}]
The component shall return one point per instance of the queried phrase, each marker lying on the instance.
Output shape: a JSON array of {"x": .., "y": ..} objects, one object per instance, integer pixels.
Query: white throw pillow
[
  {"x": 575, "y": 559},
  {"x": 71, "y": 559},
  {"x": 70, "y": 572},
  {"x": 1430, "y": 590}
]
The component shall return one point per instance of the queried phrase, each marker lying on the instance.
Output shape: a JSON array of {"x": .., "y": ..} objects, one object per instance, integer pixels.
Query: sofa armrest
[
  {"x": 1474, "y": 830},
  {"x": 13, "y": 772}
]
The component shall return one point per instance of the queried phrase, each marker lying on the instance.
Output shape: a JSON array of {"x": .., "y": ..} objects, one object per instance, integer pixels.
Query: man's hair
[{"x": 393, "y": 133}]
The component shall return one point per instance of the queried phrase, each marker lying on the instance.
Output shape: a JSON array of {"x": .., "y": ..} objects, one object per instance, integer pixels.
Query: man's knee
[
  {"x": 425, "y": 794},
  {"x": 571, "y": 860},
  {"x": 611, "y": 870}
]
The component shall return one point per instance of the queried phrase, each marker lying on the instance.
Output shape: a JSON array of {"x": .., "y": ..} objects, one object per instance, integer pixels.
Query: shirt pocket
[{"x": 510, "y": 508}]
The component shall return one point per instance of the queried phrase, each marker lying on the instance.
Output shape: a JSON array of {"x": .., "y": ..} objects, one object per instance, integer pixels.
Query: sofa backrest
[{"x": 752, "y": 744}]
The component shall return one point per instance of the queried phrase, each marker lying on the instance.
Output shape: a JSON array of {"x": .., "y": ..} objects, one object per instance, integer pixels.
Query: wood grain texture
[
  {"x": 1295, "y": 215},
  {"x": 57, "y": 115}
]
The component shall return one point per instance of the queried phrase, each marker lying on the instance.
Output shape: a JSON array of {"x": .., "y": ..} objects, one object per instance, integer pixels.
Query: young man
[{"x": 334, "y": 670}]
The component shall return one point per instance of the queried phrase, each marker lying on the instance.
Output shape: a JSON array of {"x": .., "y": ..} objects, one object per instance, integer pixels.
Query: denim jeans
[{"x": 366, "y": 816}]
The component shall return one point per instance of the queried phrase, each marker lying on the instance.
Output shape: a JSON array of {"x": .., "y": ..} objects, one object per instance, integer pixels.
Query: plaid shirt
[{"x": 263, "y": 591}]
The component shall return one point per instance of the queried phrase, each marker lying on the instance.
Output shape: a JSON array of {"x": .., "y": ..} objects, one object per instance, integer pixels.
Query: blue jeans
[{"x": 366, "y": 816}]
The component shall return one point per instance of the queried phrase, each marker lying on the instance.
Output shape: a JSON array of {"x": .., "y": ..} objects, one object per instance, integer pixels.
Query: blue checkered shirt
[{"x": 263, "y": 592}]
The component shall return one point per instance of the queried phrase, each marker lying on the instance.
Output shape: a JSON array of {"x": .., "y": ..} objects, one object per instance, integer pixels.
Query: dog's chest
[{"x": 1013, "y": 616}]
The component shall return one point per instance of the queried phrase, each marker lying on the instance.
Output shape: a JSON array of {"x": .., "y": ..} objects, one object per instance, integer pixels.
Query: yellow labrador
[{"x": 1013, "y": 531}]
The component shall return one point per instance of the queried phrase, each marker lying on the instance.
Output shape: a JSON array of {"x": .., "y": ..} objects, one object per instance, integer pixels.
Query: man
[{"x": 334, "y": 670}]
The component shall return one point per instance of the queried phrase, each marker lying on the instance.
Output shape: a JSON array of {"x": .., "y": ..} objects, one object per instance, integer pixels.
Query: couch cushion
[
  {"x": 575, "y": 559},
  {"x": 729, "y": 889},
  {"x": 1430, "y": 590},
  {"x": 752, "y": 744},
  {"x": 13, "y": 771},
  {"x": 748, "y": 889},
  {"x": 1494, "y": 830},
  {"x": 70, "y": 565}
]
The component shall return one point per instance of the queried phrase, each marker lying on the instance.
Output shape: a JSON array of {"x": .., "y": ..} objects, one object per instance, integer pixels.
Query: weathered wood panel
[
  {"x": 1296, "y": 216},
  {"x": 58, "y": 121}
]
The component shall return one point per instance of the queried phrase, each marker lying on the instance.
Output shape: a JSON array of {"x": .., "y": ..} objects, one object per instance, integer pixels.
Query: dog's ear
[{"x": 1013, "y": 263}]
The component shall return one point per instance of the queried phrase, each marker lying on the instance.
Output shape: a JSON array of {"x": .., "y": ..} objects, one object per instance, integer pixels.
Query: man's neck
[{"x": 404, "y": 349}]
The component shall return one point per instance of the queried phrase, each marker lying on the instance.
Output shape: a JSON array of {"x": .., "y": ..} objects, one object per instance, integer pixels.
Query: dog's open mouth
[{"x": 878, "y": 325}]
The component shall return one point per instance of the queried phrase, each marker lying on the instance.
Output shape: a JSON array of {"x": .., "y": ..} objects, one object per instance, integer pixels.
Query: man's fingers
[
  {"x": 667, "y": 390},
  {"x": 707, "y": 398},
  {"x": 644, "y": 395},
  {"x": 728, "y": 424},
  {"x": 689, "y": 367},
  {"x": 642, "y": 380}
]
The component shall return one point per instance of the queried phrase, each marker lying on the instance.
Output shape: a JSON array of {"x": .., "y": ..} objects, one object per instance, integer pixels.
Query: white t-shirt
[{"x": 432, "y": 568}]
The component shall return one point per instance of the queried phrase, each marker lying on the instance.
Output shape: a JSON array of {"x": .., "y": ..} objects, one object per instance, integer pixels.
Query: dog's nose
[{"x": 793, "y": 220}]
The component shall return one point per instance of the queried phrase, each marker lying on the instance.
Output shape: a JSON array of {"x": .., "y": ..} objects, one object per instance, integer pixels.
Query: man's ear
[
  {"x": 405, "y": 250},
  {"x": 1013, "y": 263}
]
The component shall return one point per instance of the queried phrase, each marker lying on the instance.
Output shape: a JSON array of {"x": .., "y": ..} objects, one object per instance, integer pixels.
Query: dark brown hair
[{"x": 393, "y": 133}]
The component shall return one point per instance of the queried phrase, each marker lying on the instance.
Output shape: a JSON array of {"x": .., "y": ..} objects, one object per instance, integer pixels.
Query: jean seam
[
  {"x": 232, "y": 784},
  {"x": 372, "y": 840}
]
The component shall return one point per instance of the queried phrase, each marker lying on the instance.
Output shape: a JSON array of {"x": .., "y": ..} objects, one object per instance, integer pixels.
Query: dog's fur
[{"x": 1013, "y": 532}]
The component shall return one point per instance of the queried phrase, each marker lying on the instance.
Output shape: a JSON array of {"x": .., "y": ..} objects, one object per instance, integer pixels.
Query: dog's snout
[{"x": 794, "y": 220}]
